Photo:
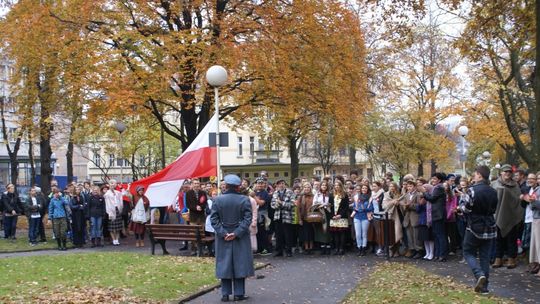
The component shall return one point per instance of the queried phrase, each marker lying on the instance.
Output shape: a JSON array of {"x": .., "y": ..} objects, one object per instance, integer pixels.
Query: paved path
[
  {"x": 301, "y": 279},
  {"x": 328, "y": 279},
  {"x": 322, "y": 279},
  {"x": 515, "y": 283}
]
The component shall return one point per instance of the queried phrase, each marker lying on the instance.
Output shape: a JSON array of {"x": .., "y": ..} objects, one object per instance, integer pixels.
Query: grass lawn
[
  {"x": 21, "y": 244},
  {"x": 103, "y": 277},
  {"x": 401, "y": 283}
]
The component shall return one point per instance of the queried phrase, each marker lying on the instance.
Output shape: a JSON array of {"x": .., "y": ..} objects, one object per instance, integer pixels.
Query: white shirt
[
  {"x": 528, "y": 210},
  {"x": 208, "y": 225},
  {"x": 35, "y": 214}
]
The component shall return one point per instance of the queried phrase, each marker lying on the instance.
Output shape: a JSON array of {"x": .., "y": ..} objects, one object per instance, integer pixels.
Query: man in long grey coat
[{"x": 231, "y": 217}]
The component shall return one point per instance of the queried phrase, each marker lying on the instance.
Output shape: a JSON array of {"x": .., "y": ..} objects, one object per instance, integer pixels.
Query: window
[
  {"x": 256, "y": 174},
  {"x": 318, "y": 172},
  {"x": 240, "y": 152},
  {"x": 304, "y": 147},
  {"x": 246, "y": 175},
  {"x": 251, "y": 145},
  {"x": 301, "y": 173},
  {"x": 286, "y": 173},
  {"x": 12, "y": 134},
  {"x": 121, "y": 162},
  {"x": 276, "y": 174},
  {"x": 3, "y": 72},
  {"x": 142, "y": 160},
  {"x": 111, "y": 160},
  {"x": 97, "y": 158}
]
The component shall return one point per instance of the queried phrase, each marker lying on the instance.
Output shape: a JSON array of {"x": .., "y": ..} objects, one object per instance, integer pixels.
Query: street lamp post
[
  {"x": 216, "y": 76},
  {"x": 463, "y": 131},
  {"x": 121, "y": 127}
]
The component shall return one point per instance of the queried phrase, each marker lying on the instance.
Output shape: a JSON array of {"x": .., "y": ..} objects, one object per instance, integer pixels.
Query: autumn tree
[
  {"x": 501, "y": 37},
  {"x": 312, "y": 74},
  {"x": 44, "y": 48}
]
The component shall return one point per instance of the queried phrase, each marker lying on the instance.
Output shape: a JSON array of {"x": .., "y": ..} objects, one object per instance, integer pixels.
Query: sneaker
[
  {"x": 265, "y": 253},
  {"x": 480, "y": 284},
  {"x": 484, "y": 291}
]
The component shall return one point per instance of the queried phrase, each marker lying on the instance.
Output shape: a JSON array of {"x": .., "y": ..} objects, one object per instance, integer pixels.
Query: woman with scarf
[
  {"x": 322, "y": 201},
  {"x": 362, "y": 214},
  {"x": 390, "y": 204},
  {"x": 77, "y": 203},
  {"x": 376, "y": 228},
  {"x": 305, "y": 204},
  {"x": 339, "y": 222},
  {"x": 139, "y": 216}
]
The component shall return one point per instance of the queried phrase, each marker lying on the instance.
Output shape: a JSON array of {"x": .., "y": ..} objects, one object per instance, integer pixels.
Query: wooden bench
[{"x": 160, "y": 233}]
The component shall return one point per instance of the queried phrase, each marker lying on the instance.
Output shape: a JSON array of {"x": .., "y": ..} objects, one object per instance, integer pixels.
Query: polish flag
[{"x": 198, "y": 160}]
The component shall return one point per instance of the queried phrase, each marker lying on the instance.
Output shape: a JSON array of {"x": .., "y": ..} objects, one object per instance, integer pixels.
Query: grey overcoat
[{"x": 231, "y": 212}]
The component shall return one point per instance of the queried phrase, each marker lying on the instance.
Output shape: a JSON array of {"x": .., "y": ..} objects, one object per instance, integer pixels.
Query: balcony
[{"x": 266, "y": 156}]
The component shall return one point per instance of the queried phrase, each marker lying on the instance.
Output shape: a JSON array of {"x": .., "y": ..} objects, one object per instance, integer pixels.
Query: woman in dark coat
[
  {"x": 78, "y": 217},
  {"x": 96, "y": 211},
  {"x": 339, "y": 222},
  {"x": 12, "y": 208}
]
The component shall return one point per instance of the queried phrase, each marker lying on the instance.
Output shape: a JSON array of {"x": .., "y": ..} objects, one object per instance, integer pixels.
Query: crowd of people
[{"x": 416, "y": 218}]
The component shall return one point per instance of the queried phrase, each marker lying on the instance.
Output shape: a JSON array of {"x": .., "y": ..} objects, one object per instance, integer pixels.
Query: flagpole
[{"x": 216, "y": 76}]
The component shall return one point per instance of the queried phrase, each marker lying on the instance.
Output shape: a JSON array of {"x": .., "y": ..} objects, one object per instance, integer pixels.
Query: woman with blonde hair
[
  {"x": 322, "y": 201},
  {"x": 390, "y": 204},
  {"x": 305, "y": 205},
  {"x": 339, "y": 221}
]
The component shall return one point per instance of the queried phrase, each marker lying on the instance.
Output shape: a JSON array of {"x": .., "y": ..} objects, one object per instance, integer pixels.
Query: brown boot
[
  {"x": 511, "y": 264},
  {"x": 498, "y": 263}
]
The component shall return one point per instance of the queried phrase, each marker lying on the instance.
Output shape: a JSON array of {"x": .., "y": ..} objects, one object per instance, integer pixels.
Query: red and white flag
[{"x": 198, "y": 160}]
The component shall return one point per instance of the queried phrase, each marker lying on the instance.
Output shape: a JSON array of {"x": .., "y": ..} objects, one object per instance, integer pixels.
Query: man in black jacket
[
  {"x": 479, "y": 205},
  {"x": 12, "y": 209},
  {"x": 437, "y": 198}
]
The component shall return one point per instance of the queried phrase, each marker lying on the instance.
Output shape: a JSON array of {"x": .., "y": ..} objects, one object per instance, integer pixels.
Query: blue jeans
[
  {"x": 361, "y": 230},
  {"x": 10, "y": 226},
  {"x": 472, "y": 245},
  {"x": 441, "y": 239},
  {"x": 33, "y": 229},
  {"x": 96, "y": 231}
]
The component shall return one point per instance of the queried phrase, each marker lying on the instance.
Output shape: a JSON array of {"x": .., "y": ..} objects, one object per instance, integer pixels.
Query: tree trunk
[
  {"x": 420, "y": 168},
  {"x": 295, "y": 160},
  {"x": 31, "y": 160},
  {"x": 69, "y": 160},
  {"x": 162, "y": 149},
  {"x": 45, "y": 150},
  {"x": 352, "y": 158},
  {"x": 13, "y": 168},
  {"x": 536, "y": 85},
  {"x": 433, "y": 166}
]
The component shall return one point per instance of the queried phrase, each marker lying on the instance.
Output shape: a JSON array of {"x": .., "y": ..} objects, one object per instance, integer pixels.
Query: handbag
[
  {"x": 313, "y": 216},
  {"x": 139, "y": 214},
  {"x": 339, "y": 223}
]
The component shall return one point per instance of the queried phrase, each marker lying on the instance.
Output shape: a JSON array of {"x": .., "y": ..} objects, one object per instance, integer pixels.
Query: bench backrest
[{"x": 175, "y": 230}]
